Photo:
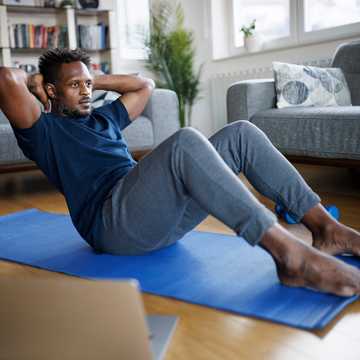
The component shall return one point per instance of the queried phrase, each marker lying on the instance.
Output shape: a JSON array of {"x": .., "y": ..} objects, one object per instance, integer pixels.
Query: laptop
[{"x": 79, "y": 319}]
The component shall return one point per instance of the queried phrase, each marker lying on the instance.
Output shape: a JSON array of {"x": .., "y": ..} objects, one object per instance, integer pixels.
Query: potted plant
[
  {"x": 66, "y": 4},
  {"x": 253, "y": 42},
  {"x": 170, "y": 55}
]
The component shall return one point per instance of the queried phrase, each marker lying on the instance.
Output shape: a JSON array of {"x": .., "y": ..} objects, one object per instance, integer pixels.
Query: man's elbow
[
  {"x": 147, "y": 87},
  {"x": 5, "y": 73},
  {"x": 5, "y": 78},
  {"x": 9, "y": 76},
  {"x": 150, "y": 84}
]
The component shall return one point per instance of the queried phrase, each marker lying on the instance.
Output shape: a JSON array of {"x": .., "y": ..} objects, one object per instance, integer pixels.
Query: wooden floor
[{"x": 205, "y": 333}]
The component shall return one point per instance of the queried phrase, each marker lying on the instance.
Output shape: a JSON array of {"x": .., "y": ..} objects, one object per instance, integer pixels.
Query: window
[
  {"x": 325, "y": 14},
  {"x": 272, "y": 18},
  {"x": 133, "y": 15},
  {"x": 286, "y": 23}
]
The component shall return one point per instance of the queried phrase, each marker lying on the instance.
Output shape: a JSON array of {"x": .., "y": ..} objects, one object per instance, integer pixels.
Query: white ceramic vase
[{"x": 254, "y": 43}]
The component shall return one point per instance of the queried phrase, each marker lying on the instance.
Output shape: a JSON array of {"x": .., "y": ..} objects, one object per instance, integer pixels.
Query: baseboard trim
[
  {"x": 17, "y": 167},
  {"x": 346, "y": 163}
]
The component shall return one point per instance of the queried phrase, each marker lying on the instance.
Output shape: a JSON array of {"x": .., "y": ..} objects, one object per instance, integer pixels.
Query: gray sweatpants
[{"x": 187, "y": 177}]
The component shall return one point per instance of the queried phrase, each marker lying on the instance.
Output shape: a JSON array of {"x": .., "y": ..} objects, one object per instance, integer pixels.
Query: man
[{"x": 120, "y": 207}]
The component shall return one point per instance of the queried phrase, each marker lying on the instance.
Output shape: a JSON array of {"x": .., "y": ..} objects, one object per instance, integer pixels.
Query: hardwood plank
[
  {"x": 11, "y": 269},
  {"x": 232, "y": 339}
]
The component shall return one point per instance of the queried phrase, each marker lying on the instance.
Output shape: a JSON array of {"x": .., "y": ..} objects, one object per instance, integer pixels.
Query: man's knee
[
  {"x": 188, "y": 136},
  {"x": 242, "y": 126},
  {"x": 190, "y": 141},
  {"x": 245, "y": 132},
  {"x": 234, "y": 133},
  {"x": 188, "y": 131}
]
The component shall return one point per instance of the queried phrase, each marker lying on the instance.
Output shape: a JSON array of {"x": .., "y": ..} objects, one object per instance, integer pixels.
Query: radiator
[{"x": 219, "y": 84}]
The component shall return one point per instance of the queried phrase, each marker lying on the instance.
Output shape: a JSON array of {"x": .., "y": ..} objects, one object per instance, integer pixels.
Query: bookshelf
[{"x": 50, "y": 17}]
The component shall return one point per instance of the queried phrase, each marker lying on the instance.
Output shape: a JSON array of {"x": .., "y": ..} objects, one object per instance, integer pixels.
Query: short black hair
[{"x": 51, "y": 60}]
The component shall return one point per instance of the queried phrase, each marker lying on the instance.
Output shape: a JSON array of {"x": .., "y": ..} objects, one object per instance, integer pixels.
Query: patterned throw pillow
[
  {"x": 298, "y": 85},
  {"x": 102, "y": 97}
]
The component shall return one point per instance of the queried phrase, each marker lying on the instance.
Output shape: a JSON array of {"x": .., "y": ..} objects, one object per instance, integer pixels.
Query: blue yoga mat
[{"x": 216, "y": 270}]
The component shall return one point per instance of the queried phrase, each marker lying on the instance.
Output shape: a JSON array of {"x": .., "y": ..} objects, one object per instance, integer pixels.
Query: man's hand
[
  {"x": 135, "y": 91},
  {"x": 36, "y": 87}
]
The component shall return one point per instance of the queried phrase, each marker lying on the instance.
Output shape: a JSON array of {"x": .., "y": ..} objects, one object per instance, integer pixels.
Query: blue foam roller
[
  {"x": 333, "y": 211},
  {"x": 289, "y": 219},
  {"x": 279, "y": 210}
]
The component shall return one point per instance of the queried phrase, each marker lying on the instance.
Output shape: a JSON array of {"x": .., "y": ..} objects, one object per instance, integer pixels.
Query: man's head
[{"x": 67, "y": 81}]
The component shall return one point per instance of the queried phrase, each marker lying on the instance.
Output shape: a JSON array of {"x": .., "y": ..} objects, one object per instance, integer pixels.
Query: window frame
[
  {"x": 333, "y": 33},
  {"x": 298, "y": 35}
]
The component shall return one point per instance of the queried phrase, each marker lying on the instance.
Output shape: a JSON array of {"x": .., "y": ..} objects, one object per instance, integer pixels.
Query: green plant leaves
[
  {"x": 248, "y": 30},
  {"x": 171, "y": 52}
]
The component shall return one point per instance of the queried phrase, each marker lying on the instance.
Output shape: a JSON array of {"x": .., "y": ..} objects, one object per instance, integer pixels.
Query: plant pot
[{"x": 254, "y": 43}]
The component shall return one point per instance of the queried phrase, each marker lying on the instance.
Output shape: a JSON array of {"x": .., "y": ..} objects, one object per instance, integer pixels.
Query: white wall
[{"x": 196, "y": 19}]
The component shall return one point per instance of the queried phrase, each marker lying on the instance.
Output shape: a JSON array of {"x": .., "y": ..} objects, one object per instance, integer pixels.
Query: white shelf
[
  {"x": 33, "y": 10},
  {"x": 56, "y": 16}
]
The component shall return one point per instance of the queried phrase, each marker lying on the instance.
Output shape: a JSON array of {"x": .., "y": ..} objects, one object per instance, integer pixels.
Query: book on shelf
[
  {"x": 92, "y": 37},
  {"x": 103, "y": 66},
  {"x": 29, "y": 36}
]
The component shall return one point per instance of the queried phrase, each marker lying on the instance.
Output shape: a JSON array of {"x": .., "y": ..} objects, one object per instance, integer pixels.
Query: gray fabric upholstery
[
  {"x": 139, "y": 135},
  {"x": 159, "y": 120},
  {"x": 3, "y": 119},
  {"x": 347, "y": 58},
  {"x": 353, "y": 81},
  {"x": 163, "y": 111},
  {"x": 10, "y": 153},
  {"x": 323, "y": 132},
  {"x": 253, "y": 95}
]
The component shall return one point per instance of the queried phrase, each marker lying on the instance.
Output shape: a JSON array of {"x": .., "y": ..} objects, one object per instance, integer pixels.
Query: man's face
[{"x": 73, "y": 92}]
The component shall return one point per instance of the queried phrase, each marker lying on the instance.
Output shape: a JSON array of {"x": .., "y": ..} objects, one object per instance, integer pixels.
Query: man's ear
[{"x": 51, "y": 90}]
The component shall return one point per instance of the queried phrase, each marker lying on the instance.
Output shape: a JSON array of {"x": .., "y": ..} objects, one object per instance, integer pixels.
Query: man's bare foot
[
  {"x": 300, "y": 265},
  {"x": 329, "y": 235}
]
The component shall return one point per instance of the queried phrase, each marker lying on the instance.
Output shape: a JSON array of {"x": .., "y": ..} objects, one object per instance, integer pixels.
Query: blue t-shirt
[{"x": 84, "y": 158}]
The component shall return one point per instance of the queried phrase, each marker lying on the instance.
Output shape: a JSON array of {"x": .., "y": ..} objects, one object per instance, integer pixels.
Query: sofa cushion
[
  {"x": 102, "y": 97},
  {"x": 3, "y": 119},
  {"x": 140, "y": 134},
  {"x": 325, "y": 132},
  {"x": 298, "y": 85},
  {"x": 10, "y": 153}
]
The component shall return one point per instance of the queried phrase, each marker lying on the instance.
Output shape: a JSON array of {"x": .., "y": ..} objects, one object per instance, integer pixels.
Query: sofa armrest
[
  {"x": 163, "y": 111},
  {"x": 3, "y": 119},
  {"x": 245, "y": 98}
]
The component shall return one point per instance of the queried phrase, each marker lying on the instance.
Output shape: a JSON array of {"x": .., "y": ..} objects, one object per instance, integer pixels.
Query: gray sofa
[
  {"x": 158, "y": 121},
  {"x": 316, "y": 135}
]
